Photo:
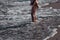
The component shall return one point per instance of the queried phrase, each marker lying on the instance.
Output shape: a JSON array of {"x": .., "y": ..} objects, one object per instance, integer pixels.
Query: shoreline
[{"x": 54, "y": 32}]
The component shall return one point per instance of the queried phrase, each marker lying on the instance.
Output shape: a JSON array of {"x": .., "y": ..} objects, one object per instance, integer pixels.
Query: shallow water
[{"x": 20, "y": 15}]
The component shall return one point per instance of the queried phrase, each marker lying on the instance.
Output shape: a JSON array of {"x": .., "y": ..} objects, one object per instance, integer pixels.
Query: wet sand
[
  {"x": 57, "y": 36},
  {"x": 53, "y": 5}
]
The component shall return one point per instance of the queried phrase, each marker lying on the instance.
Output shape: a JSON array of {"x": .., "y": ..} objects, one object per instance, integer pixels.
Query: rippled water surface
[{"x": 16, "y": 22}]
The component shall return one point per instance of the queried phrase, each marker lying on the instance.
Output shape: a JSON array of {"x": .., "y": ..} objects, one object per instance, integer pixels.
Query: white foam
[
  {"x": 52, "y": 34},
  {"x": 46, "y": 4},
  {"x": 58, "y": 25}
]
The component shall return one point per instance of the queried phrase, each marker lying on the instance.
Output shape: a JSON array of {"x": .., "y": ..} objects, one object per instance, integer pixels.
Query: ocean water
[
  {"x": 22, "y": 0},
  {"x": 41, "y": 1},
  {"x": 18, "y": 24}
]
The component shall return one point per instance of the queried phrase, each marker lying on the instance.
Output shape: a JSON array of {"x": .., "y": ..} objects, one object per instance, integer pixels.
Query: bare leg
[
  {"x": 33, "y": 11},
  {"x": 33, "y": 14}
]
